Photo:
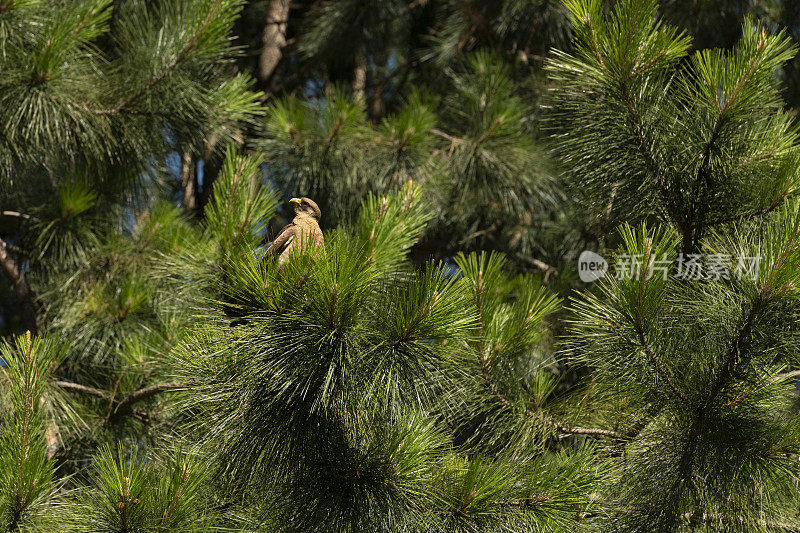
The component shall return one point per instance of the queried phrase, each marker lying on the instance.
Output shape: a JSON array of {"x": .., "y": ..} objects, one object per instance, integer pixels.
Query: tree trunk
[
  {"x": 377, "y": 108},
  {"x": 188, "y": 180},
  {"x": 360, "y": 75},
  {"x": 273, "y": 40},
  {"x": 17, "y": 278},
  {"x": 211, "y": 168}
]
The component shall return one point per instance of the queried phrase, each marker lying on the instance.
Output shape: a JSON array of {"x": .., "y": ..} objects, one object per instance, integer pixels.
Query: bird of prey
[{"x": 296, "y": 235}]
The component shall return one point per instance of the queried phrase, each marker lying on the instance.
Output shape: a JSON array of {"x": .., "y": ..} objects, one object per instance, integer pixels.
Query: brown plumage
[{"x": 296, "y": 235}]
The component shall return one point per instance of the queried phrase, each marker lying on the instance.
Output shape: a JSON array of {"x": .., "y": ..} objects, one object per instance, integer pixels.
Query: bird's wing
[
  {"x": 282, "y": 240},
  {"x": 318, "y": 238}
]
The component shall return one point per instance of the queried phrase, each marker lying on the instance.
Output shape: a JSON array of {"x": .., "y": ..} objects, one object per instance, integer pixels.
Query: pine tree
[
  {"x": 701, "y": 147},
  {"x": 424, "y": 370},
  {"x": 93, "y": 97},
  {"x": 696, "y": 147},
  {"x": 85, "y": 111},
  {"x": 28, "y": 487},
  {"x": 322, "y": 408},
  {"x": 473, "y": 150}
]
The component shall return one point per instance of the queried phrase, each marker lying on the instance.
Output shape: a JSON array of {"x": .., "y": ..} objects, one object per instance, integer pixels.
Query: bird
[
  {"x": 297, "y": 235},
  {"x": 293, "y": 238}
]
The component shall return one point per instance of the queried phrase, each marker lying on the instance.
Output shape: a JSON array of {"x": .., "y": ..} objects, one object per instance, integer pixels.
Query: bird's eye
[{"x": 304, "y": 202}]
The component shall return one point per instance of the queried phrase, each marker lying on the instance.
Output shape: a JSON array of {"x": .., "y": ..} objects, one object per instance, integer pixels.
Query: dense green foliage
[{"x": 436, "y": 365}]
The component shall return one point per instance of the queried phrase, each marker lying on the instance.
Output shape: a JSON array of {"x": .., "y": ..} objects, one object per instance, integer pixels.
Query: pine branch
[
  {"x": 190, "y": 44},
  {"x": 335, "y": 130},
  {"x": 730, "y": 358},
  {"x": 541, "y": 265},
  {"x": 786, "y": 375},
  {"x": 20, "y": 215},
  {"x": 479, "y": 233},
  {"x": 176, "y": 498},
  {"x": 727, "y": 370},
  {"x": 651, "y": 410},
  {"x": 687, "y": 457},
  {"x": 484, "y": 361},
  {"x": 84, "y": 389},
  {"x": 490, "y": 131},
  {"x": 125, "y": 406},
  {"x": 596, "y": 46},
  {"x": 767, "y": 290},
  {"x": 443, "y": 135},
  {"x": 774, "y": 379},
  {"x": 760, "y": 155},
  {"x": 737, "y": 89},
  {"x": 639, "y": 329},
  {"x": 704, "y": 173},
  {"x": 547, "y": 420},
  {"x": 656, "y": 362},
  {"x": 231, "y": 196},
  {"x": 776, "y": 203},
  {"x": 650, "y": 162},
  {"x": 723, "y": 518},
  {"x": 29, "y": 401}
]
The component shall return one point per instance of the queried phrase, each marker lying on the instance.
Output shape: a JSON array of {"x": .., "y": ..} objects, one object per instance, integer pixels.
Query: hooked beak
[{"x": 295, "y": 201}]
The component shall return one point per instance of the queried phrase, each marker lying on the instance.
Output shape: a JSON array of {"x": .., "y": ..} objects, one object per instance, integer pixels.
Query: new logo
[{"x": 591, "y": 266}]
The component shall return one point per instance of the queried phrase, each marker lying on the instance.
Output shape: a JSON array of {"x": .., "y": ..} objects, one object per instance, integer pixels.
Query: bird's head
[{"x": 306, "y": 206}]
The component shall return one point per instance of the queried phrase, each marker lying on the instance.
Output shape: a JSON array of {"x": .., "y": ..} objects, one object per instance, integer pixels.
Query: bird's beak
[{"x": 295, "y": 201}]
